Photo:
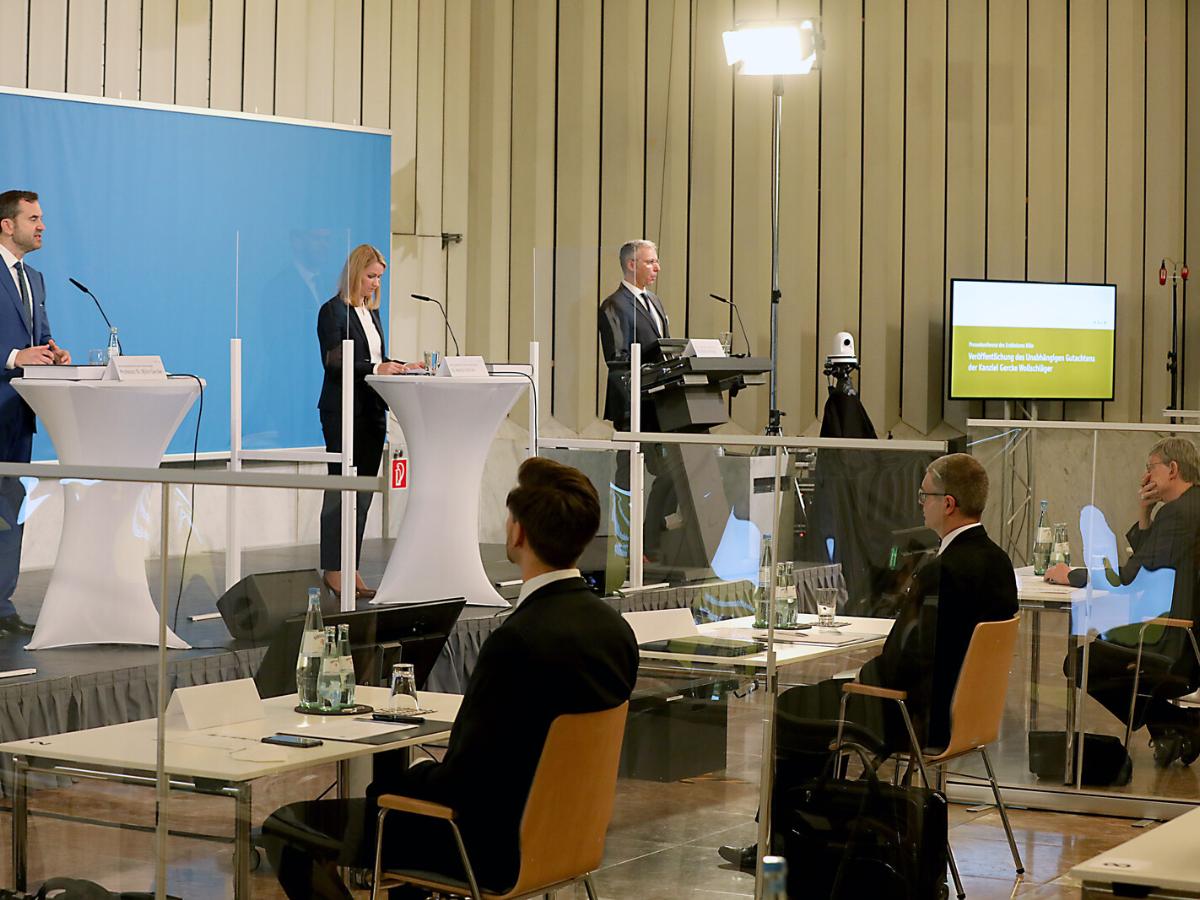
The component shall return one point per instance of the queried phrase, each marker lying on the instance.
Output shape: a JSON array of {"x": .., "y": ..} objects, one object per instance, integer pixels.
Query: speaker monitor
[{"x": 258, "y": 604}]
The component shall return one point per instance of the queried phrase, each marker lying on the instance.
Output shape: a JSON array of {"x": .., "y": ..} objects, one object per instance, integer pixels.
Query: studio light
[{"x": 775, "y": 49}]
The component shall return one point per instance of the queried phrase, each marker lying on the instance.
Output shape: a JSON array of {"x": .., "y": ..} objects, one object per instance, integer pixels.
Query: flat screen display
[{"x": 1020, "y": 340}]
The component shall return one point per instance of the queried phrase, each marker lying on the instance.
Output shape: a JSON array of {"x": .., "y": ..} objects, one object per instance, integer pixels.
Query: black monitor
[{"x": 413, "y": 633}]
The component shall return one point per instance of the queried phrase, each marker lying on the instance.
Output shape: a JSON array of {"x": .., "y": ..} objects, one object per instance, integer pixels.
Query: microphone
[
  {"x": 738, "y": 313},
  {"x": 449, "y": 327},
  {"x": 84, "y": 289}
]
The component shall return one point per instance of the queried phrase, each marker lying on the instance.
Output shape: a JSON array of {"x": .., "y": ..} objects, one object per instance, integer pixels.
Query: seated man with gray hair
[
  {"x": 969, "y": 581},
  {"x": 1163, "y": 540}
]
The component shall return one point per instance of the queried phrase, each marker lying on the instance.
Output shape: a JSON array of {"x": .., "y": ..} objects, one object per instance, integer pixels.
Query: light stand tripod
[{"x": 1179, "y": 272}]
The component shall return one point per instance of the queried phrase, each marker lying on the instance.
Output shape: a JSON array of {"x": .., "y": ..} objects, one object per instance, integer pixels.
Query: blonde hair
[{"x": 356, "y": 263}]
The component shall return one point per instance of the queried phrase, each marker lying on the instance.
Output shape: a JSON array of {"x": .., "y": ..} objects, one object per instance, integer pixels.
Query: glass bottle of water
[
  {"x": 329, "y": 682},
  {"x": 114, "y": 345},
  {"x": 1042, "y": 542},
  {"x": 312, "y": 645},
  {"x": 762, "y": 591},
  {"x": 347, "y": 665},
  {"x": 1061, "y": 551},
  {"x": 774, "y": 878}
]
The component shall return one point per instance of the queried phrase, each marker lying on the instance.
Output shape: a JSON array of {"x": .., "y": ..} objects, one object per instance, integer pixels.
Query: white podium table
[
  {"x": 449, "y": 425},
  {"x": 98, "y": 592}
]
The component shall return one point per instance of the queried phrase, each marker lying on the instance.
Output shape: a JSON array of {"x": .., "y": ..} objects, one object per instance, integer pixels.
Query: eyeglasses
[
  {"x": 922, "y": 496},
  {"x": 1157, "y": 462}
]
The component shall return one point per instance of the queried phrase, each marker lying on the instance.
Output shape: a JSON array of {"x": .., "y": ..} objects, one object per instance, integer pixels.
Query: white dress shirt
[
  {"x": 955, "y": 533},
  {"x": 9, "y": 262},
  {"x": 374, "y": 341},
  {"x": 540, "y": 581},
  {"x": 640, "y": 294}
]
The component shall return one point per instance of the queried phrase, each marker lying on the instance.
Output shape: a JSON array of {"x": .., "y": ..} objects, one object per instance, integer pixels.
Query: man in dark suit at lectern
[
  {"x": 634, "y": 314},
  {"x": 25, "y": 340}
]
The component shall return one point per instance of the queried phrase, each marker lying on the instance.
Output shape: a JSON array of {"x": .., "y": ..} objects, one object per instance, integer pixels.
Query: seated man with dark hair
[
  {"x": 1168, "y": 540},
  {"x": 562, "y": 650},
  {"x": 970, "y": 581}
]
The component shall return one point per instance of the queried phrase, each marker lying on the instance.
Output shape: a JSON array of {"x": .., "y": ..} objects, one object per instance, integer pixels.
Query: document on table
[
  {"x": 344, "y": 729},
  {"x": 814, "y": 637}
]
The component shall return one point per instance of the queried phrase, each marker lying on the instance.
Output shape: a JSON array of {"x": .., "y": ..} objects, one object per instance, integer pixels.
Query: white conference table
[
  {"x": 98, "y": 591},
  {"x": 201, "y": 761},
  {"x": 449, "y": 425},
  {"x": 791, "y": 647},
  {"x": 1157, "y": 863}
]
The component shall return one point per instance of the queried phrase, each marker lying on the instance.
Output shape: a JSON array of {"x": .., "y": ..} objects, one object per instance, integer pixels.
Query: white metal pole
[
  {"x": 233, "y": 538},
  {"x": 636, "y": 470},
  {"x": 535, "y": 373},
  {"x": 349, "y": 498}
]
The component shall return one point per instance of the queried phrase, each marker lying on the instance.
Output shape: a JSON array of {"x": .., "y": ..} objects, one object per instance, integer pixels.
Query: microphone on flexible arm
[
  {"x": 449, "y": 327},
  {"x": 738, "y": 313},
  {"x": 84, "y": 289}
]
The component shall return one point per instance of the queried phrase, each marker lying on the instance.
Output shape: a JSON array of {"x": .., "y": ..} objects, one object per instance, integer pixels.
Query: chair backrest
[
  {"x": 571, "y": 799},
  {"x": 978, "y": 703}
]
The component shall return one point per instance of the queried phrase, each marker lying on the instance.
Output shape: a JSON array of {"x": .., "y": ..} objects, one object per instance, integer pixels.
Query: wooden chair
[
  {"x": 975, "y": 713},
  {"x": 566, "y": 816}
]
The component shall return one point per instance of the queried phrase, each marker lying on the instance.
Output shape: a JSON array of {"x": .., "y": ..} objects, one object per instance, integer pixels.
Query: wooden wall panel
[
  {"x": 488, "y": 187},
  {"x": 1087, "y": 151},
  {"x": 667, "y": 163},
  {"x": 1127, "y": 199},
  {"x": 85, "y": 49},
  {"x": 404, "y": 116},
  {"x": 577, "y": 214},
  {"x": 1007, "y": 135},
  {"x": 751, "y": 225},
  {"x": 292, "y": 57},
  {"x": 431, "y": 29},
  {"x": 348, "y": 36},
  {"x": 376, "y": 62},
  {"x": 1190, "y": 305},
  {"x": 192, "y": 55},
  {"x": 158, "y": 51},
  {"x": 924, "y": 215},
  {"x": 840, "y": 284},
  {"x": 966, "y": 159},
  {"x": 14, "y": 24},
  {"x": 455, "y": 145},
  {"x": 883, "y": 185},
  {"x": 225, "y": 79},
  {"x": 258, "y": 57},
  {"x": 47, "y": 65},
  {"x": 1164, "y": 136}
]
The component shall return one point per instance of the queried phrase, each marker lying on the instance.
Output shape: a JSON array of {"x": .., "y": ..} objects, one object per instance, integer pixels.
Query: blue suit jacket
[{"x": 17, "y": 422}]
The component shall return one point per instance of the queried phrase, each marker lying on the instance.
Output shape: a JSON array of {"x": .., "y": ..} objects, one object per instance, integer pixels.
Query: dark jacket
[
  {"x": 562, "y": 650},
  {"x": 17, "y": 422},
  {"x": 971, "y": 582},
  {"x": 335, "y": 322},
  {"x": 623, "y": 321}
]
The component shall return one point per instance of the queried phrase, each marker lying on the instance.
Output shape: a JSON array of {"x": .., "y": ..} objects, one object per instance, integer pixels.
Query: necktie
[
  {"x": 653, "y": 314},
  {"x": 26, "y": 302}
]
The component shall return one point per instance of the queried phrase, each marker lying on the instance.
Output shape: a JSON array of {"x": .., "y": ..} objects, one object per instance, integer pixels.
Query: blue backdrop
[{"x": 149, "y": 207}]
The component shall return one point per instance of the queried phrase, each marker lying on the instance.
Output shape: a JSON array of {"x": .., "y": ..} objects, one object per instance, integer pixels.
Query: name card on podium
[
  {"x": 704, "y": 347},
  {"x": 207, "y": 705},
  {"x": 135, "y": 368},
  {"x": 463, "y": 366}
]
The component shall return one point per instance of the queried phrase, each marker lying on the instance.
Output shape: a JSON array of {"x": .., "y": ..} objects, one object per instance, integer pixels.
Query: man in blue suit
[{"x": 25, "y": 340}]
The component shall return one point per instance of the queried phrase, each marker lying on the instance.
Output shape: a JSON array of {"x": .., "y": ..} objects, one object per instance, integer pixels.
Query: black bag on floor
[
  {"x": 1105, "y": 760},
  {"x": 852, "y": 839}
]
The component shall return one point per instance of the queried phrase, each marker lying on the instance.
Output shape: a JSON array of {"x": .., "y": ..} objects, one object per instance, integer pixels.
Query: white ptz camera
[{"x": 843, "y": 348}]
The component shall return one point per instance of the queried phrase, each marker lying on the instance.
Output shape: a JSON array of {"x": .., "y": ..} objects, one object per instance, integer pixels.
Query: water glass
[
  {"x": 404, "y": 687},
  {"x": 98, "y": 357},
  {"x": 726, "y": 339},
  {"x": 826, "y": 606},
  {"x": 433, "y": 359}
]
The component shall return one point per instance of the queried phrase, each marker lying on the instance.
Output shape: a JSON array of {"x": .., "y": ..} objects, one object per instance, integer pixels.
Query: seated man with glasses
[
  {"x": 969, "y": 581},
  {"x": 1165, "y": 540}
]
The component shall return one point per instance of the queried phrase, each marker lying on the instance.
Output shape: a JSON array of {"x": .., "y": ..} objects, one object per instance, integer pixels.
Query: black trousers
[
  {"x": 369, "y": 435},
  {"x": 1110, "y": 681},
  {"x": 663, "y": 498},
  {"x": 307, "y": 841}
]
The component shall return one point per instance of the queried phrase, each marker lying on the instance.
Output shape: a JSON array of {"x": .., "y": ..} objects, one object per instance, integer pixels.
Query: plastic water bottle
[
  {"x": 774, "y": 878},
  {"x": 1042, "y": 542},
  {"x": 114, "y": 345},
  {"x": 762, "y": 591},
  {"x": 329, "y": 682},
  {"x": 312, "y": 645},
  {"x": 346, "y": 665}
]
